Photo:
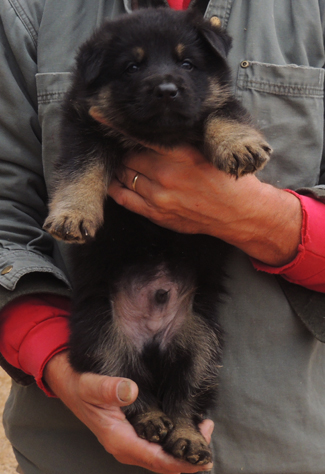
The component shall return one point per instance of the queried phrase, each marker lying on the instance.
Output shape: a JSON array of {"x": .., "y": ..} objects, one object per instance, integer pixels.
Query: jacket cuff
[
  {"x": 34, "y": 329},
  {"x": 14, "y": 264},
  {"x": 42, "y": 342}
]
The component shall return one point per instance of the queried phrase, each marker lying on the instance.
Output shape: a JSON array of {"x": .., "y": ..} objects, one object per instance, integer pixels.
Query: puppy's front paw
[
  {"x": 236, "y": 148},
  {"x": 72, "y": 226},
  {"x": 189, "y": 445},
  {"x": 152, "y": 426},
  {"x": 246, "y": 155}
]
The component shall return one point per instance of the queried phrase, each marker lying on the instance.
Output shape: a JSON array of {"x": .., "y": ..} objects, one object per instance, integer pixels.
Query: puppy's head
[{"x": 154, "y": 74}]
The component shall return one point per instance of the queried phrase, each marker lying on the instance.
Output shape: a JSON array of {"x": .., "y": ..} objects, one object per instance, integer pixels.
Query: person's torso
[{"x": 271, "y": 413}]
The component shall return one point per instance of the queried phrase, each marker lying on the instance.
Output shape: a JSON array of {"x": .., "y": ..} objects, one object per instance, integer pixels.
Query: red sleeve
[
  {"x": 308, "y": 268},
  {"x": 32, "y": 330}
]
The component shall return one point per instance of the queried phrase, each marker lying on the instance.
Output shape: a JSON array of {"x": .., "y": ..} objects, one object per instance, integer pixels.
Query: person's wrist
[
  {"x": 263, "y": 221},
  {"x": 274, "y": 225},
  {"x": 56, "y": 370}
]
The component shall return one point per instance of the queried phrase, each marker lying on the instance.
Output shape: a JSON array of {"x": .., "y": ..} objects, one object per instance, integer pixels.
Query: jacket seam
[
  {"x": 44, "y": 98},
  {"x": 14, "y": 253},
  {"x": 282, "y": 89},
  {"x": 20, "y": 12}
]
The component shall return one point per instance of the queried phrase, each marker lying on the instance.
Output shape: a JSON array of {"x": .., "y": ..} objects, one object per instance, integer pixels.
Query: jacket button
[
  {"x": 215, "y": 21},
  {"x": 7, "y": 270},
  {"x": 244, "y": 64}
]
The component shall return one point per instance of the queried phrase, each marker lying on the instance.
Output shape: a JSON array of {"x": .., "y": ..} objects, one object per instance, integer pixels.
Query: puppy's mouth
[{"x": 166, "y": 115}]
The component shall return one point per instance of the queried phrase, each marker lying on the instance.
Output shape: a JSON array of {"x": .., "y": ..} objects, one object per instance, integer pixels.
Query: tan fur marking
[
  {"x": 102, "y": 109},
  {"x": 76, "y": 209},
  {"x": 218, "y": 94},
  {"x": 180, "y": 50},
  {"x": 139, "y": 53},
  {"x": 101, "y": 104}
]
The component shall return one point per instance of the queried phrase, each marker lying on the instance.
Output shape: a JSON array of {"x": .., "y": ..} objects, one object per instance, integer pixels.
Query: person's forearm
[{"x": 308, "y": 267}]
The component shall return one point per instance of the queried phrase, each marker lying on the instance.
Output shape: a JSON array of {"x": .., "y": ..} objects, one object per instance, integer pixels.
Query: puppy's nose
[{"x": 166, "y": 90}]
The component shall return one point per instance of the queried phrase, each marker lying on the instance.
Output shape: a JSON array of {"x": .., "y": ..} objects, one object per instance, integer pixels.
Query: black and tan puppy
[{"x": 144, "y": 297}]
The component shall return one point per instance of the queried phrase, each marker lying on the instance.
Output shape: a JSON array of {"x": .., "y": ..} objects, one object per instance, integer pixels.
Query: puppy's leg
[
  {"x": 190, "y": 390},
  {"x": 76, "y": 208},
  {"x": 234, "y": 147}
]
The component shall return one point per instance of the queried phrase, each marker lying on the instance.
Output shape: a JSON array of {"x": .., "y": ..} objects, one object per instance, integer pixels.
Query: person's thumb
[{"x": 103, "y": 390}]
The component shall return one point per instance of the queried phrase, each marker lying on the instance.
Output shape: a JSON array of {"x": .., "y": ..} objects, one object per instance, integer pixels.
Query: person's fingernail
[{"x": 124, "y": 391}]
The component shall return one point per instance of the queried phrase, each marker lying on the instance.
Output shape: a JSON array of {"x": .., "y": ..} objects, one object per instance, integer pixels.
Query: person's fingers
[
  {"x": 156, "y": 193},
  {"x": 156, "y": 160},
  {"x": 148, "y": 201},
  {"x": 151, "y": 456},
  {"x": 133, "y": 180},
  {"x": 100, "y": 390},
  {"x": 125, "y": 197}
]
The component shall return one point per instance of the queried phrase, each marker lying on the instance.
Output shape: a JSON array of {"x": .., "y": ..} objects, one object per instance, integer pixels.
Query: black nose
[{"x": 166, "y": 90}]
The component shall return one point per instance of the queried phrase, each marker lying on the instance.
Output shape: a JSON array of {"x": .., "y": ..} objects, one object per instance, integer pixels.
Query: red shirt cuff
[
  {"x": 34, "y": 329},
  {"x": 308, "y": 267}
]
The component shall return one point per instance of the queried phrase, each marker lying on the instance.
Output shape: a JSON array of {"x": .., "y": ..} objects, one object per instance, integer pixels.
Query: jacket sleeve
[{"x": 26, "y": 252}]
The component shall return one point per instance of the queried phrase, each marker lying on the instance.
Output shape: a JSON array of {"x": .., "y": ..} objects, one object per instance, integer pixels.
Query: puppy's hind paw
[
  {"x": 153, "y": 426},
  {"x": 189, "y": 445}
]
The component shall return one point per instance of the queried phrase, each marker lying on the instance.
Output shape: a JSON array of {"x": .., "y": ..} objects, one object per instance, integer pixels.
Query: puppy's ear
[
  {"x": 213, "y": 34},
  {"x": 217, "y": 38},
  {"x": 90, "y": 62}
]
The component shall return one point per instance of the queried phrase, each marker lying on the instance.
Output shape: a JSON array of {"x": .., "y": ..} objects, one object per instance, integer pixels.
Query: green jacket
[{"x": 283, "y": 87}]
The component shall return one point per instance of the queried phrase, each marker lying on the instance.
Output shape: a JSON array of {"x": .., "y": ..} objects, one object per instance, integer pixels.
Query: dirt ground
[{"x": 8, "y": 462}]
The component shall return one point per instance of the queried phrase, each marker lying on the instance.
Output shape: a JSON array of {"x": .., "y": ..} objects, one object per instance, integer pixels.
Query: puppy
[{"x": 145, "y": 298}]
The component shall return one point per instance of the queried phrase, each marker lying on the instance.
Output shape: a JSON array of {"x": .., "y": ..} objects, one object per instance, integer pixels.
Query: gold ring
[{"x": 134, "y": 182}]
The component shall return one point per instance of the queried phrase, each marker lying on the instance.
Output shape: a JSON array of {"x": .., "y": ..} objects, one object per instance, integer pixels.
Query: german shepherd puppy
[{"x": 145, "y": 297}]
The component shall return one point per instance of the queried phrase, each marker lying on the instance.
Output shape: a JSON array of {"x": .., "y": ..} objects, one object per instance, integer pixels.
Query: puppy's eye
[
  {"x": 187, "y": 65},
  {"x": 132, "y": 68}
]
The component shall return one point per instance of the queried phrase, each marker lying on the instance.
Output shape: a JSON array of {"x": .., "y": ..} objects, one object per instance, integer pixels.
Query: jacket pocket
[
  {"x": 287, "y": 104},
  {"x": 51, "y": 89}
]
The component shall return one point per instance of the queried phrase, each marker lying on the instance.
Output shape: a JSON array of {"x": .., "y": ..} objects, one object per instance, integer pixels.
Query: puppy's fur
[{"x": 145, "y": 297}]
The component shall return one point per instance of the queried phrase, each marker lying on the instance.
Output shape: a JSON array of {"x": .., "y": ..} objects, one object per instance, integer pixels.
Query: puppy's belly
[{"x": 151, "y": 310}]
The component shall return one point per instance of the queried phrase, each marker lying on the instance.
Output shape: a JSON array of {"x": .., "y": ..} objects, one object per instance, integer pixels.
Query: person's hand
[
  {"x": 180, "y": 190},
  {"x": 96, "y": 401}
]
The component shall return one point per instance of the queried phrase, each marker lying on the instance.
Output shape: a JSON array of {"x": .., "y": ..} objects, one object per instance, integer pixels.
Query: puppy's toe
[
  {"x": 71, "y": 228},
  {"x": 189, "y": 445},
  {"x": 153, "y": 426}
]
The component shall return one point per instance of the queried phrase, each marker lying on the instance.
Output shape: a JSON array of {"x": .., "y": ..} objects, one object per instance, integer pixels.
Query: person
[{"x": 270, "y": 416}]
